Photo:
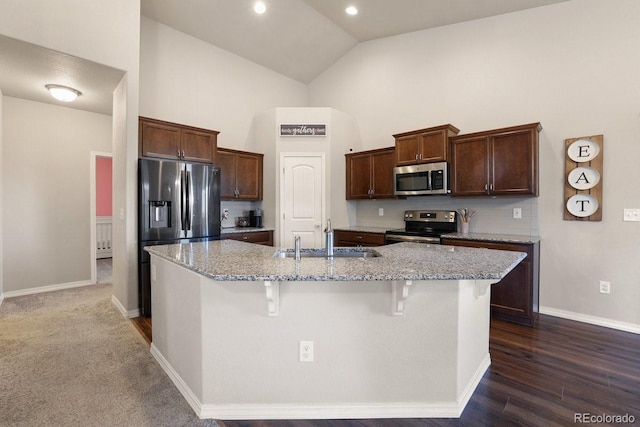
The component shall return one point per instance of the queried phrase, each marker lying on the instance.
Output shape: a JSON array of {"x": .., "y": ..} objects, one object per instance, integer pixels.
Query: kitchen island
[{"x": 402, "y": 334}]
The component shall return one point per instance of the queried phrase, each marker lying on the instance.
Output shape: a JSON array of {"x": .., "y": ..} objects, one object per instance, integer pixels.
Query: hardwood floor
[
  {"x": 143, "y": 325},
  {"x": 540, "y": 376}
]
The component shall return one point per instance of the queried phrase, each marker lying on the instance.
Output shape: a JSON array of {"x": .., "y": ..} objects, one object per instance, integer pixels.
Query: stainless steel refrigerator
[{"x": 179, "y": 202}]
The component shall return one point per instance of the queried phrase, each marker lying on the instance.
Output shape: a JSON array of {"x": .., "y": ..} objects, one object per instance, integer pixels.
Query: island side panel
[{"x": 177, "y": 324}]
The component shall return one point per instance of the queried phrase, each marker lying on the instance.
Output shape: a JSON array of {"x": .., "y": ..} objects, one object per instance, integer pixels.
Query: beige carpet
[{"x": 68, "y": 358}]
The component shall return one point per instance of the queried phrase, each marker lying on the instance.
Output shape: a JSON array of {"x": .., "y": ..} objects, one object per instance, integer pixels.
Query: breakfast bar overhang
[{"x": 401, "y": 335}]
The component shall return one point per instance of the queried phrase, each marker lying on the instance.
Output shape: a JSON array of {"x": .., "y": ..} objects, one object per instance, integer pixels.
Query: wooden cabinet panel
[
  {"x": 240, "y": 174},
  {"x": 198, "y": 146},
  {"x": 424, "y": 145},
  {"x": 515, "y": 297},
  {"x": 257, "y": 237},
  {"x": 501, "y": 162},
  {"x": 370, "y": 174},
  {"x": 469, "y": 166},
  {"x": 174, "y": 141},
  {"x": 353, "y": 238},
  {"x": 159, "y": 140},
  {"x": 382, "y": 164}
]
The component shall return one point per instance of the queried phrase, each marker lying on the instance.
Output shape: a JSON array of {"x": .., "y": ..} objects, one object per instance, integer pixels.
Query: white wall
[
  {"x": 188, "y": 81},
  {"x": 45, "y": 170},
  {"x": 574, "y": 67},
  {"x": 1, "y": 201},
  {"x": 107, "y": 33}
]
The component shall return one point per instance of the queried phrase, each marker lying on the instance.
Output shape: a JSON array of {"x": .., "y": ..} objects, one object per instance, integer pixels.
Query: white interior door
[{"x": 302, "y": 199}]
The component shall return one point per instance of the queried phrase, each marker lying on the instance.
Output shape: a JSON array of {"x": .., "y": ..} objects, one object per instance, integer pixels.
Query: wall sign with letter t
[{"x": 583, "y": 178}]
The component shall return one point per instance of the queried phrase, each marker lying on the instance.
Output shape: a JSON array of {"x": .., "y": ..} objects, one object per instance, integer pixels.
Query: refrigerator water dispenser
[{"x": 159, "y": 214}]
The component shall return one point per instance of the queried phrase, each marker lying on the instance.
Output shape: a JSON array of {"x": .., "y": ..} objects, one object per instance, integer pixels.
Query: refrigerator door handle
[
  {"x": 189, "y": 200},
  {"x": 183, "y": 201}
]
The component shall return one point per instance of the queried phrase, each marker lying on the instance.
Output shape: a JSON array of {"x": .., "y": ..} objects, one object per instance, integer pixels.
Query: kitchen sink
[{"x": 322, "y": 253}]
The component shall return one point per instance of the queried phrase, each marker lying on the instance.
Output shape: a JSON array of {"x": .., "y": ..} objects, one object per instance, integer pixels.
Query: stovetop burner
[{"x": 426, "y": 226}]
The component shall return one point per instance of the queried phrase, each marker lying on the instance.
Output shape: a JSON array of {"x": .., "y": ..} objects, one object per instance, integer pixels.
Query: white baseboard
[
  {"x": 49, "y": 288},
  {"x": 322, "y": 411},
  {"x": 585, "y": 318},
  {"x": 129, "y": 314},
  {"x": 1, "y": 298}
]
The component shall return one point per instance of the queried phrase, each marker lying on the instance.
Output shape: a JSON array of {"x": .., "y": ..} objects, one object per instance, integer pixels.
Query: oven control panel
[{"x": 430, "y": 216}]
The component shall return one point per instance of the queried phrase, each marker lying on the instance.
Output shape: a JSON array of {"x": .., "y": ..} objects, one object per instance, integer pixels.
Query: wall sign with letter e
[{"x": 583, "y": 178}]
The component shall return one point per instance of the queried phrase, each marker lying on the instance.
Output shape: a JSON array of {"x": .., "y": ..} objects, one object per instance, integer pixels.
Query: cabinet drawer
[
  {"x": 258, "y": 237},
  {"x": 354, "y": 238}
]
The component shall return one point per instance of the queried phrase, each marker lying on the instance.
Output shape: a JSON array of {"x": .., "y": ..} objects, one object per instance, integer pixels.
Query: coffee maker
[{"x": 255, "y": 218}]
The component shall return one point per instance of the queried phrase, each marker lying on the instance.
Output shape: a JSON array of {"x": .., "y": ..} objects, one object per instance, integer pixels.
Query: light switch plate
[{"x": 631, "y": 215}]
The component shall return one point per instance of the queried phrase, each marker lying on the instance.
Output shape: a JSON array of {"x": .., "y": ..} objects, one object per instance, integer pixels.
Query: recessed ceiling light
[
  {"x": 351, "y": 10},
  {"x": 259, "y": 7},
  {"x": 63, "y": 93}
]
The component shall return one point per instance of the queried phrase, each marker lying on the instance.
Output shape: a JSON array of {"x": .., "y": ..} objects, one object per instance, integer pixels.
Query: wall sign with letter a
[{"x": 583, "y": 178}]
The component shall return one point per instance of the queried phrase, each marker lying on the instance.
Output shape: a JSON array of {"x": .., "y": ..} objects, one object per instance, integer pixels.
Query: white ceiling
[
  {"x": 302, "y": 38},
  {"x": 297, "y": 38},
  {"x": 25, "y": 69}
]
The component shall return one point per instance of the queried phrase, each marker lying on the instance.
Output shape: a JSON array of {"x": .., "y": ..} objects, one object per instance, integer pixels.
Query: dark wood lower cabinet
[
  {"x": 258, "y": 237},
  {"x": 515, "y": 297},
  {"x": 344, "y": 238}
]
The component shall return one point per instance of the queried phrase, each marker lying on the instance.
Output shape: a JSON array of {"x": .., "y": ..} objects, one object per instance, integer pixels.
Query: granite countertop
[
  {"x": 364, "y": 229},
  {"x": 230, "y": 260},
  {"x": 235, "y": 230},
  {"x": 488, "y": 237}
]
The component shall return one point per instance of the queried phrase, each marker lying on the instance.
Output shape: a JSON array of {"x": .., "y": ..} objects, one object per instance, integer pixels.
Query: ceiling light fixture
[
  {"x": 259, "y": 7},
  {"x": 63, "y": 93},
  {"x": 351, "y": 10}
]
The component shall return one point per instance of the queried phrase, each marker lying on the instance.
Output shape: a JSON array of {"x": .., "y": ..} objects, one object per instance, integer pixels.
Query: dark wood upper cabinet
[
  {"x": 370, "y": 174},
  {"x": 501, "y": 162},
  {"x": 240, "y": 174},
  {"x": 424, "y": 145},
  {"x": 167, "y": 140}
]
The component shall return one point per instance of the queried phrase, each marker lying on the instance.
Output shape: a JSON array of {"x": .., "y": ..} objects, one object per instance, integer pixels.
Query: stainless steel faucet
[
  {"x": 328, "y": 234},
  {"x": 296, "y": 246}
]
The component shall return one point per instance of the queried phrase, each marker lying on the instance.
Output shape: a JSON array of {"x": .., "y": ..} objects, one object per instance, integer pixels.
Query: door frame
[
  {"x": 323, "y": 193},
  {"x": 93, "y": 155}
]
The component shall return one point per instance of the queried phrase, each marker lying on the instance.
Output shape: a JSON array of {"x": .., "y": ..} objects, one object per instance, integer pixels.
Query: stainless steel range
[{"x": 424, "y": 227}]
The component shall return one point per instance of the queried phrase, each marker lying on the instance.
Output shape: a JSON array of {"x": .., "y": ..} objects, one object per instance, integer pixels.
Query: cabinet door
[
  {"x": 358, "y": 176},
  {"x": 249, "y": 176},
  {"x": 198, "y": 146},
  {"x": 515, "y": 297},
  {"x": 514, "y": 156},
  {"x": 407, "y": 150},
  {"x": 433, "y": 147},
  {"x": 382, "y": 164},
  {"x": 159, "y": 140},
  {"x": 470, "y": 166},
  {"x": 227, "y": 163}
]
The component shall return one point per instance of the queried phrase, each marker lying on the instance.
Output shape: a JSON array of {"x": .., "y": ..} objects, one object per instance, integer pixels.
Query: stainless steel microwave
[{"x": 423, "y": 179}]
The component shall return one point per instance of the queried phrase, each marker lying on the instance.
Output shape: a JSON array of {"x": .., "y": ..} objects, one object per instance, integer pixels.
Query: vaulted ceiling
[{"x": 297, "y": 38}]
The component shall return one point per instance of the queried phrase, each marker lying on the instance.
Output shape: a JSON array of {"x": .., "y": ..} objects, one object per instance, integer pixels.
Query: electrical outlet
[
  {"x": 517, "y": 213},
  {"x": 631, "y": 215},
  {"x": 306, "y": 351},
  {"x": 605, "y": 287},
  {"x": 380, "y": 211},
  {"x": 225, "y": 213}
]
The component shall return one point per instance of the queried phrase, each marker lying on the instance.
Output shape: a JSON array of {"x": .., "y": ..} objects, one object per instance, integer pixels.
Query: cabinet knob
[{"x": 359, "y": 237}]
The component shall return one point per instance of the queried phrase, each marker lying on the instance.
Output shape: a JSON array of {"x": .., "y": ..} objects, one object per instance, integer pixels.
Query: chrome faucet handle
[{"x": 296, "y": 246}]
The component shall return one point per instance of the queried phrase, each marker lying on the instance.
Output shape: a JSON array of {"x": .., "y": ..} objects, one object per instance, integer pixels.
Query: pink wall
[{"x": 103, "y": 186}]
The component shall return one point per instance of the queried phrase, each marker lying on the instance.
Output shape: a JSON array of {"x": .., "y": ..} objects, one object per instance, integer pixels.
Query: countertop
[
  {"x": 488, "y": 237},
  {"x": 230, "y": 260},
  {"x": 235, "y": 230}
]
